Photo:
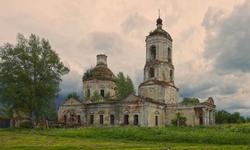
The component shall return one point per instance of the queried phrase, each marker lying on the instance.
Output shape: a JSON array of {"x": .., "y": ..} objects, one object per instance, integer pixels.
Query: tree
[
  {"x": 95, "y": 97},
  {"x": 73, "y": 95},
  {"x": 6, "y": 111},
  {"x": 180, "y": 120},
  {"x": 30, "y": 73},
  {"x": 125, "y": 86},
  {"x": 222, "y": 117},
  {"x": 187, "y": 100},
  {"x": 248, "y": 119},
  {"x": 88, "y": 73}
]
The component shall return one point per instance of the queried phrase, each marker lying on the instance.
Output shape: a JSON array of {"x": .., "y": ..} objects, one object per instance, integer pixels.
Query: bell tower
[{"x": 158, "y": 83}]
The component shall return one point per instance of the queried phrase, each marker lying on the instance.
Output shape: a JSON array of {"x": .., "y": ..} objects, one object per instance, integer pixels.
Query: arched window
[
  {"x": 88, "y": 93},
  {"x": 79, "y": 118},
  {"x": 126, "y": 119},
  {"x": 101, "y": 119},
  {"x": 171, "y": 75},
  {"x": 151, "y": 72},
  {"x": 156, "y": 120},
  {"x": 169, "y": 55},
  {"x": 152, "y": 52},
  {"x": 102, "y": 93},
  {"x": 112, "y": 119},
  {"x": 65, "y": 118},
  {"x": 136, "y": 120},
  {"x": 91, "y": 119}
]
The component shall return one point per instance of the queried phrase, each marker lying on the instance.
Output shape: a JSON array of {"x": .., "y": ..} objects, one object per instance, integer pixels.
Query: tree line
[{"x": 224, "y": 117}]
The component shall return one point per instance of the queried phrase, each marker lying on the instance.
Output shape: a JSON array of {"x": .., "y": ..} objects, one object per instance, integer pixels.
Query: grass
[{"x": 183, "y": 138}]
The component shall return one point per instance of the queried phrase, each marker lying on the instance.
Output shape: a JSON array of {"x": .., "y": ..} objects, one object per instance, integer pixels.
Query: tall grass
[{"x": 221, "y": 135}]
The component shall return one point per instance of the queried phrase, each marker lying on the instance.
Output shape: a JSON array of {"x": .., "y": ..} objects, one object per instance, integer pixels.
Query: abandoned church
[{"x": 157, "y": 102}]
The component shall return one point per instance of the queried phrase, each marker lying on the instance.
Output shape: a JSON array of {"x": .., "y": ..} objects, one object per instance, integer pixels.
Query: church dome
[
  {"x": 103, "y": 73},
  {"x": 101, "y": 70}
]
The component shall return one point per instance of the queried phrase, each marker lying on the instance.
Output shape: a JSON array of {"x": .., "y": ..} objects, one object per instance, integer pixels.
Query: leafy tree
[
  {"x": 73, "y": 95},
  {"x": 6, "y": 111},
  {"x": 125, "y": 86},
  {"x": 30, "y": 73},
  {"x": 180, "y": 120},
  {"x": 107, "y": 97},
  {"x": 96, "y": 96},
  {"x": 248, "y": 119},
  {"x": 187, "y": 100},
  {"x": 222, "y": 117},
  {"x": 88, "y": 73}
]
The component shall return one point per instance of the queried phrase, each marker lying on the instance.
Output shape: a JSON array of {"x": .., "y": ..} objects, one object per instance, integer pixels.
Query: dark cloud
[
  {"x": 227, "y": 38},
  {"x": 71, "y": 82}
]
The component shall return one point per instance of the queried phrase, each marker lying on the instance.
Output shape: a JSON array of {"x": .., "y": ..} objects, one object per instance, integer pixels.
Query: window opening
[
  {"x": 156, "y": 120},
  {"x": 72, "y": 118},
  {"x": 171, "y": 75},
  {"x": 79, "y": 118},
  {"x": 151, "y": 72},
  {"x": 169, "y": 55},
  {"x": 136, "y": 119},
  {"x": 88, "y": 93},
  {"x": 91, "y": 119},
  {"x": 102, "y": 93},
  {"x": 65, "y": 118},
  {"x": 112, "y": 119},
  {"x": 126, "y": 119},
  {"x": 101, "y": 119},
  {"x": 153, "y": 52}
]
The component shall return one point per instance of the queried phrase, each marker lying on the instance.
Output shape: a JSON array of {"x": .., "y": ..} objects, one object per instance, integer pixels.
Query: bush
[{"x": 26, "y": 125}]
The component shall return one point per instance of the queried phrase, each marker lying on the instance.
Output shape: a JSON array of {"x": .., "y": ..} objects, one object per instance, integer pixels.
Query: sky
[{"x": 211, "y": 41}]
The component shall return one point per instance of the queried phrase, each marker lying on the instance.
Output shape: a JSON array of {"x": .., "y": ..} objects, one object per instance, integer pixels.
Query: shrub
[{"x": 26, "y": 125}]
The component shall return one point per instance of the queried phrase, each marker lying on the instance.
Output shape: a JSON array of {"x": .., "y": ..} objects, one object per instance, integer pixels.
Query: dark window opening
[
  {"x": 156, "y": 120},
  {"x": 101, "y": 119},
  {"x": 153, "y": 53},
  {"x": 126, "y": 119},
  {"x": 171, "y": 75},
  {"x": 102, "y": 93},
  {"x": 151, "y": 72},
  {"x": 112, "y": 119},
  {"x": 72, "y": 117},
  {"x": 169, "y": 55},
  {"x": 79, "y": 118},
  {"x": 88, "y": 93},
  {"x": 91, "y": 119},
  {"x": 201, "y": 121},
  {"x": 136, "y": 120},
  {"x": 65, "y": 118}
]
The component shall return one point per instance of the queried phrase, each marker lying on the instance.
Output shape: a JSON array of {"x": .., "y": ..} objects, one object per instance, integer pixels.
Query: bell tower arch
[{"x": 159, "y": 68}]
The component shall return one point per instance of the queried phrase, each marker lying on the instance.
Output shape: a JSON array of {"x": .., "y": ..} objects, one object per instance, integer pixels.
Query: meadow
[{"x": 159, "y": 138}]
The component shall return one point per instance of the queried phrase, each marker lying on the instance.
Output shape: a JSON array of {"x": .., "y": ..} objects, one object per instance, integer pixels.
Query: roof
[
  {"x": 161, "y": 32},
  {"x": 71, "y": 101},
  {"x": 132, "y": 98},
  {"x": 156, "y": 82},
  {"x": 101, "y": 73}
]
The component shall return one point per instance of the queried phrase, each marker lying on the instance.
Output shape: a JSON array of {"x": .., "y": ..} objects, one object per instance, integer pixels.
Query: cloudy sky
[{"x": 211, "y": 41}]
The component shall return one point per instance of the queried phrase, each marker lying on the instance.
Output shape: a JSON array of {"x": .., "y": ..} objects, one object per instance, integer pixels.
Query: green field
[{"x": 185, "y": 138}]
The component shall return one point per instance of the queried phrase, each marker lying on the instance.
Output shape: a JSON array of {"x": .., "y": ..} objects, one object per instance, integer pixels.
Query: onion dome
[{"x": 159, "y": 21}]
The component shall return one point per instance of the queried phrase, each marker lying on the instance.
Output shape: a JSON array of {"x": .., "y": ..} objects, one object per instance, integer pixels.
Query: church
[{"x": 156, "y": 104}]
